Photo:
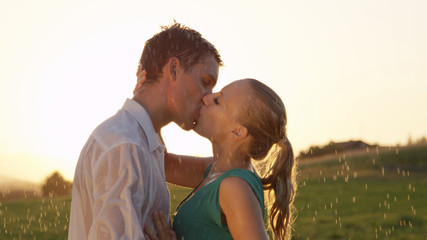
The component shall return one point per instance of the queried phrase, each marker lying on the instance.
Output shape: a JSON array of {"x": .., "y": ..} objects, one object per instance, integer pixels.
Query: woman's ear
[{"x": 239, "y": 132}]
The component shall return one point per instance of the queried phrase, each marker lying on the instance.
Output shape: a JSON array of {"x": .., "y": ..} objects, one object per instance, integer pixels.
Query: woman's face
[{"x": 219, "y": 114}]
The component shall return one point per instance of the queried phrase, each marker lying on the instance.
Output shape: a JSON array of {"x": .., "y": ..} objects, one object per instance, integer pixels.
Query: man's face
[{"x": 189, "y": 90}]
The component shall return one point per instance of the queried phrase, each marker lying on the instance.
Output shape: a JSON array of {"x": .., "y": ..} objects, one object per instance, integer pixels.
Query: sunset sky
[{"x": 344, "y": 69}]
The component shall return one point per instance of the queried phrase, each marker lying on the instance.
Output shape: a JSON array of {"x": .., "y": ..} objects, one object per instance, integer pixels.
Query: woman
[{"x": 245, "y": 121}]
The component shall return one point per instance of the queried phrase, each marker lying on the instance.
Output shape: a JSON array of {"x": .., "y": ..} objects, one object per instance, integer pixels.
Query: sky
[{"x": 346, "y": 70}]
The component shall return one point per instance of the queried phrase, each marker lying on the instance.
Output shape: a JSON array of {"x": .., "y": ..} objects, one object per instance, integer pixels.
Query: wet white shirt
[{"x": 120, "y": 179}]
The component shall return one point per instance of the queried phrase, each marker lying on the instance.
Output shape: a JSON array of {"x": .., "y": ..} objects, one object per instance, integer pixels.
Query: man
[{"x": 120, "y": 178}]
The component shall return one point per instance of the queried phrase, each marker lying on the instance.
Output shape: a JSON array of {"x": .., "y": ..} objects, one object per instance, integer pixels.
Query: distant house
[{"x": 352, "y": 145}]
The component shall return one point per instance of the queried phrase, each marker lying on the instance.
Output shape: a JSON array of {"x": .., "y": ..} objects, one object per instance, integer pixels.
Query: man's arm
[
  {"x": 186, "y": 171},
  {"x": 119, "y": 194}
]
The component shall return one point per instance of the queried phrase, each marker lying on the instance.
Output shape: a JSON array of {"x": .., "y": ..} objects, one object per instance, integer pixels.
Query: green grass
[
  {"x": 363, "y": 208},
  {"x": 177, "y": 194},
  {"x": 48, "y": 218},
  {"x": 378, "y": 195},
  {"x": 35, "y": 218}
]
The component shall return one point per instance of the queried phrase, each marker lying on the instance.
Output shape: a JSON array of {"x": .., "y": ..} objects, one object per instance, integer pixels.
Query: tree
[{"x": 56, "y": 185}]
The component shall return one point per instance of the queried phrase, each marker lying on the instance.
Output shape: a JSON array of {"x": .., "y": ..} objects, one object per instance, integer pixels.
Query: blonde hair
[{"x": 265, "y": 118}]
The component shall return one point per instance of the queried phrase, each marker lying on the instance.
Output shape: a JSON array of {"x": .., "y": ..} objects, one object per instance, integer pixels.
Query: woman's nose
[
  {"x": 209, "y": 98},
  {"x": 206, "y": 98}
]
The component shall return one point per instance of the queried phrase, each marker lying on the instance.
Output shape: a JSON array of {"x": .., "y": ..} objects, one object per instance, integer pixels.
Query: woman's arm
[
  {"x": 185, "y": 171},
  {"x": 241, "y": 209}
]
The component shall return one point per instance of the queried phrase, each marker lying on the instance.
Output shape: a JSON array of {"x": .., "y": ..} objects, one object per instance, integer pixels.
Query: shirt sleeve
[{"x": 119, "y": 193}]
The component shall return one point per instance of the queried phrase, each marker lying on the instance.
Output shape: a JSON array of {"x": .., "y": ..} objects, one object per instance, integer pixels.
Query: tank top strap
[{"x": 208, "y": 169}]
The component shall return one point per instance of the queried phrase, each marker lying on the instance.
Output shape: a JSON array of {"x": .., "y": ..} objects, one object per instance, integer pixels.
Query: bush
[{"x": 56, "y": 185}]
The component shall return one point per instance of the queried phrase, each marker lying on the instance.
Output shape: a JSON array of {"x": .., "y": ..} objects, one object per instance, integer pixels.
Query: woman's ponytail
[
  {"x": 279, "y": 181},
  {"x": 266, "y": 122}
]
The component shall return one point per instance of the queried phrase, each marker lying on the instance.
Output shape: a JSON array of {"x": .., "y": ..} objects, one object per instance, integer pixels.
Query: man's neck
[{"x": 153, "y": 99}]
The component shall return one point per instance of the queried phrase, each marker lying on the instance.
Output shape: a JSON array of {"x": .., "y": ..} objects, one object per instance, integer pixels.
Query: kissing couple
[{"x": 119, "y": 189}]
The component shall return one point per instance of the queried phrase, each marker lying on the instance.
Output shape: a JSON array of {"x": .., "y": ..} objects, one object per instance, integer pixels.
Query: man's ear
[
  {"x": 174, "y": 64},
  {"x": 239, "y": 132},
  {"x": 141, "y": 75},
  {"x": 139, "y": 71}
]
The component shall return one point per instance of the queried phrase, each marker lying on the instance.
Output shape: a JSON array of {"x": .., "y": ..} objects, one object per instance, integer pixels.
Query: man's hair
[{"x": 177, "y": 41}]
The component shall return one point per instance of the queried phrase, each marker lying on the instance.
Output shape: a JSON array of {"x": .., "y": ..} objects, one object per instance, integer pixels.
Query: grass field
[
  {"x": 35, "y": 218},
  {"x": 380, "y": 194}
]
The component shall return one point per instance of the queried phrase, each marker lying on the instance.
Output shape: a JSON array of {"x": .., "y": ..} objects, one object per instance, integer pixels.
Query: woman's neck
[{"x": 228, "y": 158}]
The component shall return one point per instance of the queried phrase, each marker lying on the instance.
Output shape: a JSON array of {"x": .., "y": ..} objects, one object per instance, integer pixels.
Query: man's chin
[
  {"x": 195, "y": 129},
  {"x": 187, "y": 127}
]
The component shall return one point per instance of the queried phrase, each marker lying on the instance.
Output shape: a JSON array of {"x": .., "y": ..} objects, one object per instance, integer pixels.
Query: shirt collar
[{"x": 140, "y": 114}]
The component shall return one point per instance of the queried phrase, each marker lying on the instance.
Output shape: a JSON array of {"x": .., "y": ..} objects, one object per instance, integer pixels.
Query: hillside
[
  {"x": 378, "y": 161},
  {"x": 11, "y": 188}
]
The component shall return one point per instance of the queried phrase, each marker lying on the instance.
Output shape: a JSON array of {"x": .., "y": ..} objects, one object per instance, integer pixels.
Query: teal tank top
[{"x": 199, "y": 214}]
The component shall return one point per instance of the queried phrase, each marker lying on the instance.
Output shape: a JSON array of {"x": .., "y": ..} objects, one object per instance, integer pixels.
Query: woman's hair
[
  {"x": 265, "y": 119},
  {"x": 178, "y": 41}
]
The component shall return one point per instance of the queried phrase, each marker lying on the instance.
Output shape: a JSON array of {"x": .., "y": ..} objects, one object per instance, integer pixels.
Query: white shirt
[{"x": 120, "y": 179}]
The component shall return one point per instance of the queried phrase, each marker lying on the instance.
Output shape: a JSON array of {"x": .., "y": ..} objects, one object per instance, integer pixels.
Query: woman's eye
[{"x": 216, "y": 101}]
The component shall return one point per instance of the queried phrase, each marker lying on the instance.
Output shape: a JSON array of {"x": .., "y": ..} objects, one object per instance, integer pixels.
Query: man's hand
[{"x": 162, "y": 226}]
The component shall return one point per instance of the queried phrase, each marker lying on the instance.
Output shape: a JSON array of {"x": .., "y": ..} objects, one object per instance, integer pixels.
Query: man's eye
[
  {"x": 207, "y": 82},
  {"x": 216, "y": 101}
]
